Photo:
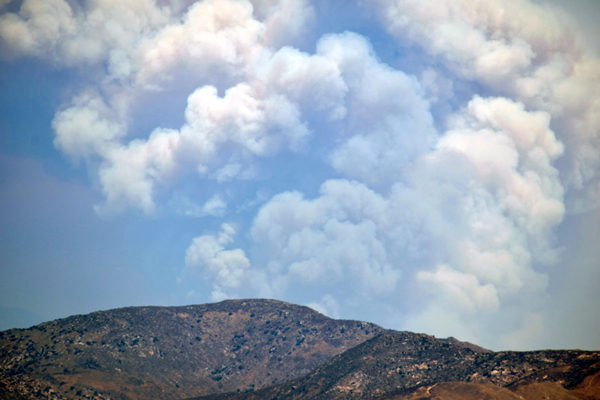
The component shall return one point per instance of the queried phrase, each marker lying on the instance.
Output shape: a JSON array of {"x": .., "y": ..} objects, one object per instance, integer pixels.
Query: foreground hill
[
  {"x": 172, "y": 352},
  {"x": 406, "y": 365}
]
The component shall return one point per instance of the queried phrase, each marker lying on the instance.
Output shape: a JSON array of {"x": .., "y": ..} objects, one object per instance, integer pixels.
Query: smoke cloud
[
  {"x": 459, "y": 210},
  {"x": 521, "y": 50},
  {"x": 226, "y": 267}
]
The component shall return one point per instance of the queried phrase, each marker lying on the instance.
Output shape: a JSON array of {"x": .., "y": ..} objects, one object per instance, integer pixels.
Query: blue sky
[{"x": 431, "y": 166}]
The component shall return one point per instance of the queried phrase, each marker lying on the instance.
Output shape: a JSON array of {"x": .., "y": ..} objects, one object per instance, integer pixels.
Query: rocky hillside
[
  {"x": 265, "y": 349},
  {"x": 172, "y": 352},
  {"x": 406, "y": 365}
]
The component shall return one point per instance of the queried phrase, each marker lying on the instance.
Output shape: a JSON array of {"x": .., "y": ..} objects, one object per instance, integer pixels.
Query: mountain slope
[
  {"x": 265, "y": 349},
  {"x": 408, "y": 365},
  {"x": 172, "y": 352}
]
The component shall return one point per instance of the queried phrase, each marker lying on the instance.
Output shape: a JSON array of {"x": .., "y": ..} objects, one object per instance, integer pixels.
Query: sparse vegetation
[
  {"x": 112, "y": 350},
  {"x": 117, "y": 354}
]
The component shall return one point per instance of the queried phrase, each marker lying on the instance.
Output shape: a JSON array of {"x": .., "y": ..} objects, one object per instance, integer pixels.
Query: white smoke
[
  {"x": 465, "y": 217},
  {"x": 252, "y": 124},
  {"x": 215, "y": 34},
  {"x": 525, "y": 51},
  {"x": 226, "y": 267},
  {"x": 328, "y": 305},
  {"x": 54, "y": 30},
  {"x": 485, "y": 201},
  {"x": 388, "y": 123},
  {"x": 507, "y": 205},
  {"x": 332, "y": 240}
]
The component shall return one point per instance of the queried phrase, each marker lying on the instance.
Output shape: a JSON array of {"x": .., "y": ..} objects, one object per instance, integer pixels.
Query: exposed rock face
[
  {"x": 404, "y": 365},
  {"x": 172, "y": 352}
]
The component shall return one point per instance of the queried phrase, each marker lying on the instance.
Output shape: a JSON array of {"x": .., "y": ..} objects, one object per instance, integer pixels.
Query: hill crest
[{"x": 159, "y": 352}]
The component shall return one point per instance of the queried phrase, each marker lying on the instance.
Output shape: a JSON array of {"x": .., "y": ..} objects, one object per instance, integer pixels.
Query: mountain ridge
[
  {"x": 157, "y": 352},
  {"x": 267, "y": 349}
]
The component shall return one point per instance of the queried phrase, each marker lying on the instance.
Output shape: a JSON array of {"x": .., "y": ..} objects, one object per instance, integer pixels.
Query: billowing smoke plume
[
  {"x": 523, "y": 51},
  {"x": 461, "y": 217}
]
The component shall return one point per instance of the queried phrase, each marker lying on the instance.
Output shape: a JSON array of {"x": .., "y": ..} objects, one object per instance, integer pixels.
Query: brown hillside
[
  {"x": 401, "y": 365},
  {"x": 460, "y": 391},
  {"x": 172, "y": 352}
]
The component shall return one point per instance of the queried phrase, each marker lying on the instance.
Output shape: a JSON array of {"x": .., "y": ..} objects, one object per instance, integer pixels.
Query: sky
[{"x": 431, "y": 166}]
